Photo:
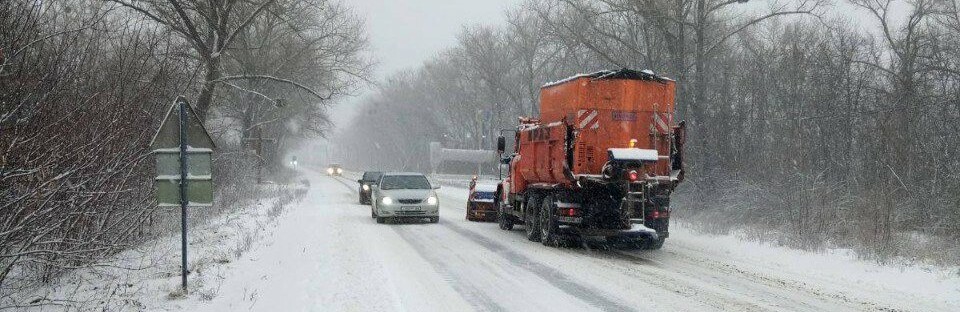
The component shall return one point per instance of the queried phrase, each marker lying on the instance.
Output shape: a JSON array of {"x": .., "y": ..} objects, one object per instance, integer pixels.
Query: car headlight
[
  {"x": 366, "y": 187},
  {"x": 329, "y": 170},
  {"x": 387, "y": 201},
  {"x": 432, "y": 200}
]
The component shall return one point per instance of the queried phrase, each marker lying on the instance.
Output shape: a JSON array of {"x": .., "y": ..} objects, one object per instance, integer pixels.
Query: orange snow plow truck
[{"x": 602, "y": 160}]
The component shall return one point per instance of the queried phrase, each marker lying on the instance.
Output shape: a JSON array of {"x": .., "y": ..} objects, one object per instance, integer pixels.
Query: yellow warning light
[{"x": 633, "y": 143}]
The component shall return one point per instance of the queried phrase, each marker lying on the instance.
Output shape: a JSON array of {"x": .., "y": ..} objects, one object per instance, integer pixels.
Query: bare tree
[
  {"x": 83, "y": 85},
  {"x": 211, "y": 29}
]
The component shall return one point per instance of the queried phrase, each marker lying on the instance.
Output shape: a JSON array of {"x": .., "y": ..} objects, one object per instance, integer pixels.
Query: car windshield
[
  {"x": 371, "y": 175},
  {"x": 484, "y": 195},
  {"x": 404, "y": 182}
]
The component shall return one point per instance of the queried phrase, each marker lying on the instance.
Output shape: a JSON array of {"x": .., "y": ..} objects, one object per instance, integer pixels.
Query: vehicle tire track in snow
[
  {"x": 640, "y": 269},
  {"x": 475, "y": 296},
  {"x": 686, "y": 279},
  {"x": 345, "y": 184},
  {"x": 762, "y": 283},
  {"x": 701, "y": 285},
  {"x": 553, "y": 276}
]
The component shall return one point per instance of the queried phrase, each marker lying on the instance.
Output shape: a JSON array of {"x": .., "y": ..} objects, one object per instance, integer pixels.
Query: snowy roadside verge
[
  {"x": 147, "y": 277},
  {"x": 831, "y": 271}
]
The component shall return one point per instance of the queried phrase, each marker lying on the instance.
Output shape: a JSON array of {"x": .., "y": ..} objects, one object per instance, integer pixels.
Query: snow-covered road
[{"x": 327, "y": 254}]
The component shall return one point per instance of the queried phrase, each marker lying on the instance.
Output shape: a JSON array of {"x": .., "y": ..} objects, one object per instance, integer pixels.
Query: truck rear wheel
[
  {"x": 549, "y": 235},
  {"x": 504, "y": 219},
  {"x": 655, "y": 244},
  {"x": 531, "y": 220}
]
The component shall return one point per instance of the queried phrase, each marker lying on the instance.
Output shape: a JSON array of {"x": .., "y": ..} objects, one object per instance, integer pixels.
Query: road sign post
[{"x": 184, "y": 152}]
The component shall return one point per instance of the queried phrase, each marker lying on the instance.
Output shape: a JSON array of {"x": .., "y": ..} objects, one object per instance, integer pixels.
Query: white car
[{"x": 404, "y": 195}]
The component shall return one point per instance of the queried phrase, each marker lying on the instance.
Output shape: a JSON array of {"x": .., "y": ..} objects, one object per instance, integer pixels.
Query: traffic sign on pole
[{"x": 184, "y": 152}]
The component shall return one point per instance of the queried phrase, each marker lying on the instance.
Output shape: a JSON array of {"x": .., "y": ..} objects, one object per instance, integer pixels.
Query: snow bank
[{"x": 147, "y": 277}]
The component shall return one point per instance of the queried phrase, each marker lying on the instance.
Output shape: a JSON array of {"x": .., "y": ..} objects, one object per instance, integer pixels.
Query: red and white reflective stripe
[
  {"x": 588, "y": 119},
  {"x": 662, "y": 121}
]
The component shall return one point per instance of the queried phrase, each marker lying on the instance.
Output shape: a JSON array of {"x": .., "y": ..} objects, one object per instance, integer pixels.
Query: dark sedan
[
  {"x": 480, "y": 203},
  {"x": 369, "y": 178}
]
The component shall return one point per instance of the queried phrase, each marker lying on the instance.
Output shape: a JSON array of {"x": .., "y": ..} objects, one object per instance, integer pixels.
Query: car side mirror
[
  {"x": 501, "y": 144},
  {"x": 360, "y": 181}
]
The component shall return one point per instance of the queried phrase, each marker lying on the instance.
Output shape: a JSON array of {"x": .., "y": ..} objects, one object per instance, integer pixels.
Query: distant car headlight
[
  {"x": 339, "y": 170},
  {"x": 329, "y": 170},
  {"x": 387, "y": 201},
  {"x": 366, "y": 187},
  {"x": 432, "y": 200}
]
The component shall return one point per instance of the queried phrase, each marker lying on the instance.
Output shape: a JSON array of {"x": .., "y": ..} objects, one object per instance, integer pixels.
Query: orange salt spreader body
[{"x": 604, "y": 156}]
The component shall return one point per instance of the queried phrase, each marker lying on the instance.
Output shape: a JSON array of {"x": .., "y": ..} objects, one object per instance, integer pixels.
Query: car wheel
[
  {"x": 381, "y": 220},
  {"x": 531, "y": 221},
  {"x": 434, "y": 219},
  {"x": 548, "y": 223}
]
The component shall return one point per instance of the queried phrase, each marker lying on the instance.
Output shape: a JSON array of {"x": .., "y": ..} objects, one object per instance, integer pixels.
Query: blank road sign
[
  {"x": 198, "y": 164},
  {"x": 199, "y": 192}
]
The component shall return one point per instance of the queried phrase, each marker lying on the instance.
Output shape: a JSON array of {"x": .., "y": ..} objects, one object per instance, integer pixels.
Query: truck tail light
[{"x": 633, "y": 175}]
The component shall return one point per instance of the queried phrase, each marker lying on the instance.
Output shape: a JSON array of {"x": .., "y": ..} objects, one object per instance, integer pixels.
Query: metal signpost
[{"x": 184, "y": 151}]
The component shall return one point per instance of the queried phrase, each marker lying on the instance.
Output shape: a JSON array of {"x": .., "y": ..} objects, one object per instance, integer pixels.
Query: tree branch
[
  {"x": 266, "y": 77},
  {"x": 245, "y": 24},
  {"x": 191, "y": 29}
]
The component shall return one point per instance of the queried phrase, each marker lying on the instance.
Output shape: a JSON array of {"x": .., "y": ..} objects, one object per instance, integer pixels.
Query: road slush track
[
  {"x": 329, "y": 255},
  {"x": 707, "y": 278},
  {"x": 487, "y": 274},
  {"x": 609, "y": 280}
]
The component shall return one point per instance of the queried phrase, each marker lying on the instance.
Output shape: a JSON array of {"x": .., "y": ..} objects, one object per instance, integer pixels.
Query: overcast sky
[{"x": 404, "y": 33}]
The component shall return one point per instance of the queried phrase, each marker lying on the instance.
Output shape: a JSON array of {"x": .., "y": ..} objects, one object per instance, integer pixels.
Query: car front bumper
[{"x": 408, "y": 211}]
